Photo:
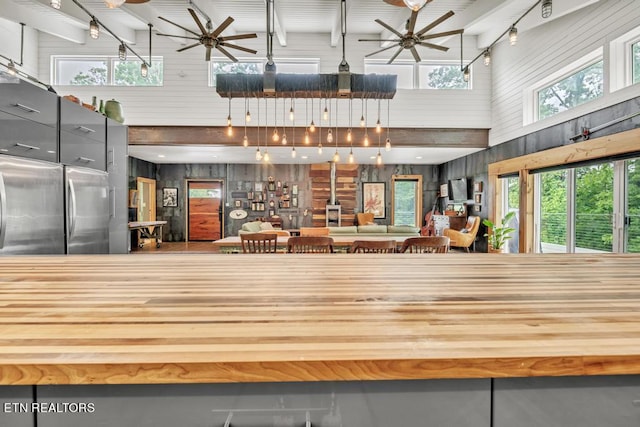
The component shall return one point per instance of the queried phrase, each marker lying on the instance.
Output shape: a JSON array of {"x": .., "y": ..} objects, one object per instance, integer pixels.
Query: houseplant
[{"x": 498, "y": 234}]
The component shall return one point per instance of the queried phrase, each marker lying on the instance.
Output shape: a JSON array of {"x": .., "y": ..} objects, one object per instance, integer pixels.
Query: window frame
[
  {"x": 211, "y": 82},
  {"x": 111, "y": 60},
  {"x": 419, "y": 196},
  {"x": 621, "y": 60},
  {"x": 416, "y": 68}
]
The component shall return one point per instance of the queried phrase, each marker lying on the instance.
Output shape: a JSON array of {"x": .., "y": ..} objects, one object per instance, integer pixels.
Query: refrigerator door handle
[
  {"x": 72, "y": 209},
  {"x": 3, "y": 210}
]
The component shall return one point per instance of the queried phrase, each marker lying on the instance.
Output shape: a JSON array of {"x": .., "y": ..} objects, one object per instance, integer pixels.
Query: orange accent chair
[
  {"x": 460, "y": 239},
  {"x": 365, "y": 218}
]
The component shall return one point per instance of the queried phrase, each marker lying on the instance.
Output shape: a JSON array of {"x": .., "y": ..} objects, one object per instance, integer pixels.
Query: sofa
[
  {"x": 261, "y": 227},
  {"x": 375, "y": 230}
]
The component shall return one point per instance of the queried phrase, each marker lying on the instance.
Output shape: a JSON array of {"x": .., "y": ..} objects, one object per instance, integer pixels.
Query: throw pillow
[{"x": 266, "y": 226}]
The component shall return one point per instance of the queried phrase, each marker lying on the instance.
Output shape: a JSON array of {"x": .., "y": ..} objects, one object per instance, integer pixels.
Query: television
[{"x": 458, "y": 189}]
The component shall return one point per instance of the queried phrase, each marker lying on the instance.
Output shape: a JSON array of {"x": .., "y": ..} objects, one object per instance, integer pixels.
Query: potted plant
[{"x": 499, "y": 234}]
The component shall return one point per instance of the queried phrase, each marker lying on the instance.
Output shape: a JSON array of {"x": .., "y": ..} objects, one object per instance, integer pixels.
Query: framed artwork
[
  {"x": 478, "y": 198},
  {"x": 444, "y": 190},
  {"x": 373, "y": 198},
  {"x": 258, "y": 187},
  {"x": 272, "y": 212},
  {"x": 169, "y": 197},
  {"x": 238, "y": 204},
  {"x": 294, "y": 202},
  {"x": 477, "y": 208},
  {"x": 477, "y": 187},
  {"x": 133, "y": 198},
  {"x": 294, "y": 189}
]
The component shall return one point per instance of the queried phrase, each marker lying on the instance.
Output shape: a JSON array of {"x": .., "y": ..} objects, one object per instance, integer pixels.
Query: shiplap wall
[
  {"x": 186, "y": 98},
  {"x": 547, "y": 49},
  {"x": 10, "y": 46}
]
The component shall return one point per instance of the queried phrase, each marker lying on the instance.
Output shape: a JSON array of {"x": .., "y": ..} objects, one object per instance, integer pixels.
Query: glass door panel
[
  {"x": 632, "y": 228},
  {"x": 512, "y": 204},
  {"x": 552, "y": 225},
  {"x": 594, "y": 208}
]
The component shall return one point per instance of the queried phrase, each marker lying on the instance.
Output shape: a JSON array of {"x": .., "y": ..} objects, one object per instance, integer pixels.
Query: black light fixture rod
[{"x": 113, "y": 34}]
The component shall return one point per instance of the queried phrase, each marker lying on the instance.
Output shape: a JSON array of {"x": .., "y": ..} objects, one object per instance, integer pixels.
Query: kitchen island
[{"x": 321, "y": 332}]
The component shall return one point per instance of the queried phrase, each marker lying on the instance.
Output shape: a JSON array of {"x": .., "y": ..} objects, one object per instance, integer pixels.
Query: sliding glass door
[
  {"x": 632, "y": 208},
  {"x": 594, "y": 208},
  {"x": 551, "y": 221}
]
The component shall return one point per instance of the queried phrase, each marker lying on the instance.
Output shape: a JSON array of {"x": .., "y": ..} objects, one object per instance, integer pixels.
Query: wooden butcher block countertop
[{"x": 190, "y": 318}]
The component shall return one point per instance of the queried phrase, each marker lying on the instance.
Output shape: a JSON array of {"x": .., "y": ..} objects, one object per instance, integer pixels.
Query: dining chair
[
  {"x": 310, "y": 244},
  {"x": 426, "y": 244},
  {"x": 373, "y": 246},
  {"x": 259, "y": 243}
]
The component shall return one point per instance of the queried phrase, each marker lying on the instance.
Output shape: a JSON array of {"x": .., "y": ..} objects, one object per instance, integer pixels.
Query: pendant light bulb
[
  {"x": 349, "y": 138},
  {"x": 513, "y": 35},
  {"x": 291, "y": 114},
  {"x": 56, "y": 4},
  {"x": 329, "y": 136},
  {"x": 228, "y": 120},
  {"x": 293, "y": 152},
  {"x": 248, "y": 116},
  {"x": 387, "y": 145},
  {"x": 312, "y": 126},
  {"x": 366, "y": 140},
  {"x": 351, "y": 159},
  {"x": 266, "y": 156},
  {"x": 122, "y": 52},
  {"x": 275, "y": 137},
  {"x": 362, "y": 122},
  {"x": 245, "y": 141},
  {"x": 229, "y": 130},
  {"x": 306, "y": 137},
  {"x": 325, "y": 114},
  {"x": 487, "y": 57},
  {"x": 144, "y": 70},
  {"x": 320, "y": 148},
  {"x": 379, "y": 158},
  {"x": 12, "y": 68},
  {"x": 258, "y": 155},
  {"x": 284, "y": 139},
  {"x": 94, "y": 29},
  {"x": 378, "y": 126},
  {"x": 336, "y": 157}
]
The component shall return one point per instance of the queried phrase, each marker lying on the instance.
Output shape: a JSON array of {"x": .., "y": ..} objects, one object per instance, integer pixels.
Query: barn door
[{"x": 205, "y": 210}]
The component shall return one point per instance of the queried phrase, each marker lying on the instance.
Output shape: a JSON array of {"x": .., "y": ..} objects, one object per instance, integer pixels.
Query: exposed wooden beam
[{"x": 217, "y": 135}]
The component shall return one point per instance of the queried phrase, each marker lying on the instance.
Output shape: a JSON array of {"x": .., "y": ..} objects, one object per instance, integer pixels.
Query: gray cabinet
[
  {"x": 31, "y": 102},
  {"x": 16, "y": 410},
  {"x": 82, "y": 136},
  {"x": 611, "y": 401},
  {"x": 25, "y": 138},
  {"x": 117, "y": 163}
]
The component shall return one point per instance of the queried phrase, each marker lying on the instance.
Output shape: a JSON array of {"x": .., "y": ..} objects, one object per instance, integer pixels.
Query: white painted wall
[
  {"x": 548, "y": 48},
  {"x": 10, "y": 46}
]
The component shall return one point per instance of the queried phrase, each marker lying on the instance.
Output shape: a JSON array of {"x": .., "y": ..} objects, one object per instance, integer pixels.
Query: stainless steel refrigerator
[
  {"x": 87, "y": 199},
  {"x": 31, "y": 207}
]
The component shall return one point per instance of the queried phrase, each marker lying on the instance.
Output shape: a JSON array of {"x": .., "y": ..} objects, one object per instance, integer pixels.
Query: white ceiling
[{"x": 486, "y": 19}]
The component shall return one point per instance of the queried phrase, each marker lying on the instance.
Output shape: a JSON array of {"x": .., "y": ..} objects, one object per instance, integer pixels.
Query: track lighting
[
  {"x": 487, "y": 57},
  {"x": 329, "y": 136},
  {"x": 11, "y": 68},
  {"x": 122, "y": 52},
  {"x": 94, "y": 29},
  {"x": 513, "y": 35},
  {"x": 144, "y": 70},
  {"x": 465, "y": 74},
  {"x": 56, "y": 4},
  {"x": 546, "y": 8}
]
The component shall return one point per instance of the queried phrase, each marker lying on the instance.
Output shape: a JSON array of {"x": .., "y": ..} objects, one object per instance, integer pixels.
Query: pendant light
[
  {"x": 465, "y": 74},
  {"x": 258, "y": 153},
  {"x": 325, "y": 113},
  {"x": 319, "y": 139},
  {"x": 247, "y": 116},
  {"x": 265, "y": 156},
  {"x": 329, "y": 132},
  {"x": 245, "y": 140},
  {"x": 306, "y": 113},
  {"x": 378, "y": 125},
  {"x": 350, "y": 114},
  {"x": 387, "y": 143},
  {"x": 94, "y": 29},
  {"x": 276, "y": 136},
  {"x": 291, "y": 113},
  {"x": 362, "y": 121},
  {"x": 365, "y": 142},
  {"x": 312, "y": 126},
  {"x": 379, "y": 156},
  {"x": 284, "y": 131},
  {"x": 336, "y": 156},
  {"x": 229, "y": 125},
  {"x": 293, "y": 143}
]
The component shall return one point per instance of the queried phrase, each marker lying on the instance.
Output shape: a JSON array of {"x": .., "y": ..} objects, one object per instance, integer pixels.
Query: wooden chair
[
  {"x": 259, "y": 243},
  {"x": 314, "y": 231},
  {"x": 310, "y": 244},
  {"x": 373, "y": 246},
  {"x": 426, "y": 244}
]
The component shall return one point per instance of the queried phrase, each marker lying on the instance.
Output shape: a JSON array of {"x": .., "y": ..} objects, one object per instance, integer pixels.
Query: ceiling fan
[
  {"x": 411, "y": 39},
  {"x": 210, "y": 38}
]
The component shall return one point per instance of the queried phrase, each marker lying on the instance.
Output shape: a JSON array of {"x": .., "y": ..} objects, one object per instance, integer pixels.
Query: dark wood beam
[{"x": 217, "y": 135}]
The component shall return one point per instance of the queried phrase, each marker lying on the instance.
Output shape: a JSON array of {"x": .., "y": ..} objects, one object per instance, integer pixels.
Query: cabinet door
[
  {"x": 24, "y": 138},
  {"x": 76, "y": 150},
  {"x": 16, "y": 406},
  {"x": 118, "y": 187},
  {"x": 80, "y": 121},
  {"x": 30, "y": 102}
]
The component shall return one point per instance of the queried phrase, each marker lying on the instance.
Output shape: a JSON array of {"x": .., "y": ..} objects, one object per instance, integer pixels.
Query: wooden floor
[{"x": 177, "y": 247}]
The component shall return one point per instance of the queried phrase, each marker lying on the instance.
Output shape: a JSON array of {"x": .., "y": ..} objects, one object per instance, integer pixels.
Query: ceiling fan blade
[
  {"x": 226, "y": 53},
  {"x": 412, "y": 22},
  {"x": 389, "y": 27},
  {"x": 179, "y": 26},
  {"x": 434, "y": 46},
  {"x": 195, "y": 18},
  {"x": 174, "y": 35},
  {"x": 215, "y": 33},
  {"x": 381, "y": 50},
  {"x": 414, "y": 52},
  {"x": 380, "y": 40},
  {"x": 436, "y": 23},
  {"x": 234, "y": 46},
  {"x": 207, "y": 55},
  {"x": 238, "y": 37},
  {"x": 395, "y": 55},
  {"x": 188, "y": 47},
  {"x": 443, "y": 34}
]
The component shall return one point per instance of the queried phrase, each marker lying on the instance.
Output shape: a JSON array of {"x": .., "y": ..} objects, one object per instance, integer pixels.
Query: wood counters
[{"x": 189, "y": 318}]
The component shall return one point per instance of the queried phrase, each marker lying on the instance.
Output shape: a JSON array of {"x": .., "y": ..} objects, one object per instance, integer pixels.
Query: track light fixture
[
  {"x": 466, "y": 74},
  {"x": 487, "y": 57},
  {"x": 94, "y": 29},
  {"x": 144, "y": 70},
  {"x": 56, "y": 4},
  {"x": 11, "y": 68},
  {"x": 513, "y": 35},
  {"x": 547, "y": 8},
  {"x": 122, "y": 52}
]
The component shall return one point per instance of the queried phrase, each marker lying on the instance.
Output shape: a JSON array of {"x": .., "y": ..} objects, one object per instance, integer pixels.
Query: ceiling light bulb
[
  {"x": 122, "y": 52},
  {"x": 284, "y": 139},
  {"x": 112, "y": 4},
  {"x": 229, "y": 130},
  {"x": 546, "y": 8},
  {"x": 325, "y": 114},
  {"x": 248, "y": 116},
  {"x": 513, "y": 35},
  {"x": 245, "y": 141},
  {"x": 362, "y": 122},
  {"x": 293, "y": 152},
  {"x": 266, "y": 156},
  {"x": 387, "y": 145},
  {"x": 378, "y": 126},
  {"x": 336, "y": 157},
  {"x": 306, "y": 137},
  {"x": 228, "y": 120},
  {"x": 487, "y": 57},
  {"x": 12, "y": 68},
  {"x": 320, "y": 148},
  {"x": 94, "y": 29},
  {"x": 379, "y": 158},
  {"x": 258, "y": 154},
  {"x": 312, "y": 126},
  {"x": 351, "y": 159},
  {"x": 275, "y": 137},
  {"x": 366, "y": 140},
  {"x": 415, "y": 5},
  {"x": 329, "y": 136},
  {"x": 291, "y": 115},
  {"x": 465, "y": 75},
  {"x": 349, "y": 135},
  {"x": 56, "y": 4},
  {"x": 144, "y": 70}
]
